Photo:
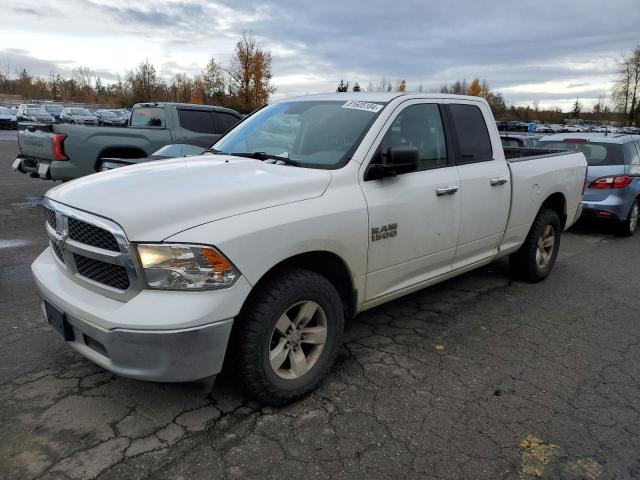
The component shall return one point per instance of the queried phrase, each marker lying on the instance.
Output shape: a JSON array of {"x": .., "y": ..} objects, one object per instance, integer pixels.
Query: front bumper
[{"x": 157, "y": 336}]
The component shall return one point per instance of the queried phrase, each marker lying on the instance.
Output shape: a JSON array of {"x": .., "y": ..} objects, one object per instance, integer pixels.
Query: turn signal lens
[{"x": 185, "y": 267}]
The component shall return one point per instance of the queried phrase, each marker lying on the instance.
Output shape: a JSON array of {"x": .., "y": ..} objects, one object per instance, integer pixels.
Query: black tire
[
  {"x": 629, "y": 226},
  {"x": 252, "y": 339},
  {"x": 524, "y": 263}
]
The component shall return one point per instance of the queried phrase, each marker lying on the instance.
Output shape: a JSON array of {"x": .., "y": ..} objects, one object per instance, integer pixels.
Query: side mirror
[{"x": 399, "y": 160}]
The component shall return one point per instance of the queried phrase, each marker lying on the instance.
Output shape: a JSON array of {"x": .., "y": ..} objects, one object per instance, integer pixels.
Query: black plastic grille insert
[
  {"x": 50, "y": 216},
  {"x": 91, "y": 235},
  {"x": 113, "y": 275},
  {"x": 58, "y": 251}
]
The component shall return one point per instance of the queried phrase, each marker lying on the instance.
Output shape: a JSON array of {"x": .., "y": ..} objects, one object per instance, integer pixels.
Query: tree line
[
  {"x": 625, "y": 95},
  {"x": 244, "y": 84}
]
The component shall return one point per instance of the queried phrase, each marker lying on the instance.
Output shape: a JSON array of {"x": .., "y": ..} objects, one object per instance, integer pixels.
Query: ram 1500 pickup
[
  {"x": 309, "y": 211},
  {"x": 66, "y": 151}
]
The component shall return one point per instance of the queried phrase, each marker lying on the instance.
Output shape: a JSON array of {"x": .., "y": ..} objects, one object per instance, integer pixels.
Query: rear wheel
[
  {"x": 536, "y": 257},
  {"x": 628, "y": 227},
  {"x": 288, "y": 336}
]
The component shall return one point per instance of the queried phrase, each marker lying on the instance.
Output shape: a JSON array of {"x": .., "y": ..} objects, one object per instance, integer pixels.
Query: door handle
[
  {"x": 447, "y": 190},
  {"x": 498, "y": 181}
]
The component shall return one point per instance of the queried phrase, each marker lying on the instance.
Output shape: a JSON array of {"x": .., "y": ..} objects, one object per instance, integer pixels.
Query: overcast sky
[{"x": 550, "y": 51}]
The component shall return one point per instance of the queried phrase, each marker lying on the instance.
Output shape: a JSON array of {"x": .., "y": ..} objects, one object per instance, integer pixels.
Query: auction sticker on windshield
[{"x": 368, "y": 107}]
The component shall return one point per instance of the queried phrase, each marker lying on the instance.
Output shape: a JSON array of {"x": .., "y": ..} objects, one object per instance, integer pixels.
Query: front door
[{"x": 414, "y": 218}]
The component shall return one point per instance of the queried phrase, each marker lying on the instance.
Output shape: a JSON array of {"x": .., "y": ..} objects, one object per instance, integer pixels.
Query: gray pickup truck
[{"x": 65, "y": 152}]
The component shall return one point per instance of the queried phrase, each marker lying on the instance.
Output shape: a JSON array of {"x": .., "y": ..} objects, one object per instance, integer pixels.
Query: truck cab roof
[
  {"x": 191, "y": 106},
  {"x": 378, "y": 97}
]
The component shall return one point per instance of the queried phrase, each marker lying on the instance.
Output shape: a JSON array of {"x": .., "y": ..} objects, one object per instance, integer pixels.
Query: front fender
[{"x": 257, "y": 241}]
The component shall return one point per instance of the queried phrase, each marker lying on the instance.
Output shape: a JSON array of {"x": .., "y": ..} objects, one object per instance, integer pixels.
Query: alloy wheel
[
  {"x": 546, "y": 244},
  {"x": 297, "y": 340},
  {"x": 633, "y": 218}
]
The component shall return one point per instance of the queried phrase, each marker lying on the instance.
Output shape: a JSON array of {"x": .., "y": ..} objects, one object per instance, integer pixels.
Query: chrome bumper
[{"x": 155, "y": 355}]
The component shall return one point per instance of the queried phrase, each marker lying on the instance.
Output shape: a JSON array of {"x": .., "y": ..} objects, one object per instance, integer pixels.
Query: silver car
[{"x": 612, "y": 190}]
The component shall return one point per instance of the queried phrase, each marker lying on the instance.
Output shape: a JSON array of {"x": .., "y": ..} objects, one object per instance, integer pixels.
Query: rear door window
[
  {"x": 148, "y": 117},
  {"x": 226, "y": 121},
  {"x": 470, "y": 129},
  {"x": 200, "y": 121}
]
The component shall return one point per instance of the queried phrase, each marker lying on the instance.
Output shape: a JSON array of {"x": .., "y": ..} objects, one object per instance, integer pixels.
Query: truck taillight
[
  {"x": 611, "y": 182},
  {"x": 58, "y": 148}
]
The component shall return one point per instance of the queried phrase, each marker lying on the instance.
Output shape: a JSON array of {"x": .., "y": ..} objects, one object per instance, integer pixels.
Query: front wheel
[
  {"x": 288, "y": 336},
  {"x": 628, "y": 227},
  {"x": 536, "y": 257}
]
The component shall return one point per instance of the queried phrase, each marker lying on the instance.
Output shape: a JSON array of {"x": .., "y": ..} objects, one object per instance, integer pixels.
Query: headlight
[{"x": 186, "y": 267}]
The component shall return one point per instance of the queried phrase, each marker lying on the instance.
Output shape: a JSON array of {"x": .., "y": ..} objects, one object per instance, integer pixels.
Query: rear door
[
  {"x": 485, "y": 190},
  {"x": 413, "y": 228},
  {"x": 197, "y": 127}
]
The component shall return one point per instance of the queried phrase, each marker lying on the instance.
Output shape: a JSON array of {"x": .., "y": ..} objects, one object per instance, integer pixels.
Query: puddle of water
[
  {"x": 13, "y": 243},
  {"x": 30, "y": 202}
]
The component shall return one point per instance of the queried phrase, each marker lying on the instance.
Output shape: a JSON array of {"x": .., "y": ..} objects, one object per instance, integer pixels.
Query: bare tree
[
  {"x": 626, "y": 89},
  {"x": 83, "y": 76}
]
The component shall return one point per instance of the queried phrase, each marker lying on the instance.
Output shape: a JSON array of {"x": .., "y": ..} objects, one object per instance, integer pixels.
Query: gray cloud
[{"x": 14, "y": 60}]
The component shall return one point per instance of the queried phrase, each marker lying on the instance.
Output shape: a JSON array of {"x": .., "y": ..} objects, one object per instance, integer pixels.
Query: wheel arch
[
  {"x": 119, "y": 152},
  {"x": 326, "y": 263},
  {"x": 558, "y": 203}
]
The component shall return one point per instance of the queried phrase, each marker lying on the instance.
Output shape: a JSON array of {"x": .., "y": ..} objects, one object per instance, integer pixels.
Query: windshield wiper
[
  {"x": 266, "y": 156},
  {"x": 214, "y": 151}
]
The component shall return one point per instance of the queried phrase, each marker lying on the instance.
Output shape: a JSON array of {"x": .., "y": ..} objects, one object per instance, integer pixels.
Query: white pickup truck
[{"x": 309, "y": 211}]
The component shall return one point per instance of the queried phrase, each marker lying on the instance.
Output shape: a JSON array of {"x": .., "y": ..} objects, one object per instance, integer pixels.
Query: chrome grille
[
  {"x": 113, "y": 275},
  {"x": 91, "y": 235},
  {"x": 92, "y": 250}
]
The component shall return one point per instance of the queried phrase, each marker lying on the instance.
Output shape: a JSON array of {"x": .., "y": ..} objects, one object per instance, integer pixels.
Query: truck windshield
[
  {"x": 315, "y": 134},
  {"x": 598, "y": 154}
]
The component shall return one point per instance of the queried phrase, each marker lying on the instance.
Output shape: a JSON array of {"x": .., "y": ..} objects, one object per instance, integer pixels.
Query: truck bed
[{"x": 553, "y": 172}]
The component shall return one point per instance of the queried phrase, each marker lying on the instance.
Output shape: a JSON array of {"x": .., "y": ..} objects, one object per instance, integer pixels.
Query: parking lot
[{"x": 478, "y": 378}]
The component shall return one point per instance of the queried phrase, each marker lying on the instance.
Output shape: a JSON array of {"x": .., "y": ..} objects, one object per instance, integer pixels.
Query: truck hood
[{"x": 155, "y": 200}]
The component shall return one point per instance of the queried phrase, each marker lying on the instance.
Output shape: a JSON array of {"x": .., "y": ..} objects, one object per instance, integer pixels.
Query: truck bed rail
[{"x": 518, "y": 154}]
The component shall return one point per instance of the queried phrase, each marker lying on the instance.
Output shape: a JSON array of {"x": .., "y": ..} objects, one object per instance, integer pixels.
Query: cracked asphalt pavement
[{"x": 478, "y": 378}]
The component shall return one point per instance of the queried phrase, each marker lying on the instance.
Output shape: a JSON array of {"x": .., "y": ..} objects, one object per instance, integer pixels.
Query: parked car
[
  {"x": 53, "y": 109},
  {"x": 78, "y": 115},
  {"x": 613, "y": 179},
  {"x": 543, "y": 128},
  {"x": 630, "y": 130},
  {"x": 168, "y": 151},
  {"x": 519, "y": 140},
  {"x": 154, "y": 270},
  {"x": 111, "y": 118},
  {"x": 8, "y": 118},
  {"x": 502, "y": 126},
  {"x": 64, "y": 152},
  {"x": 33, "y": 113}
]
